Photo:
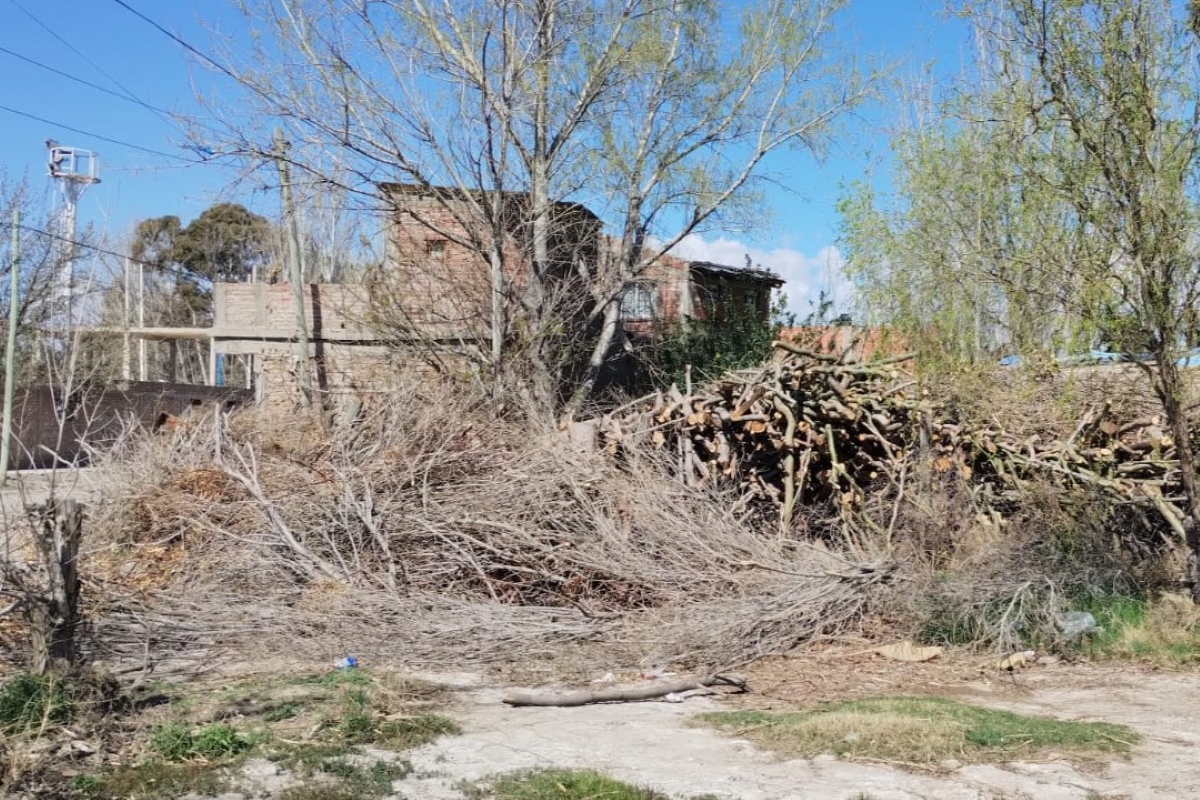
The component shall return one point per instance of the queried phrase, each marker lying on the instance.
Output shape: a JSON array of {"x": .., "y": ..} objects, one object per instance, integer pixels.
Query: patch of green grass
[
  {"x": 28, "y": 701},
  {"x": 359, "y": 724},
  {"x": 335, "y": 771},
  {"x": 415, "y": 731},
  {"x": 557, "y": 784},
  {"x": 152, "y": 779},
  {"x": 318, "y": 791},
  {"x": 921, "y": 730},
  {"x": 179, "y": 742},
  {"x": 307, "y": 758},
  {"x": 1165, "y": 631}
]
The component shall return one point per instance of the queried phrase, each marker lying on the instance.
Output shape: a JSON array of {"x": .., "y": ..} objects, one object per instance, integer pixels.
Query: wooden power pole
[
  {"x": 10, "y": 353},
  {"x": 295, "y": 271}
]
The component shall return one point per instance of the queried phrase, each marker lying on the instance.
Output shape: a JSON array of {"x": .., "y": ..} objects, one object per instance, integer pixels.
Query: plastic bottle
[{"x": 1077, "y": 623}]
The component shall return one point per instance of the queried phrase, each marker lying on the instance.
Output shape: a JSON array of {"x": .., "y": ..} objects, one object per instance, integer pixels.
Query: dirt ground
[{"x": 652, "y": 744}]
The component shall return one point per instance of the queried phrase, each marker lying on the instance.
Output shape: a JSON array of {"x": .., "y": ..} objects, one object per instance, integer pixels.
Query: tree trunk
[
  {"x": 54, "y": 616},
  {"x": 1171, "y": 396},
  {"x": 600, "y": 351}
]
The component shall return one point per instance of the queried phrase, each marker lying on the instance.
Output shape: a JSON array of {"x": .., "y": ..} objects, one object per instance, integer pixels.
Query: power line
[
  {"x": 179, "y": 273},
  {"x": 196, "y": 51},
  {"x": 83, "y": 132},
  {"x": 203, "y": 56},
  {"x": 129, "y": 95},
  {"x": 79, "y": 80}
]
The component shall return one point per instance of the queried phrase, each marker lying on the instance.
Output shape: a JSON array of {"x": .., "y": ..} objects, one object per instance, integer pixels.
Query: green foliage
[
  {"x": 359, "y": 724},
  {"x": 1023, "y": 219},
  {"x": 331, "y": 774},
  {"x": 281, "y": 712},
  {"x": 28, "y": 701},
  {"x": 179, "y": 742},
  {"x": 340, "y": 779},
  {"x": 1164, "y": 631},
  {"x": 344, "y": 677},
  {"x": 225, "y": 243},
  {"x": 737, "y": 339}
]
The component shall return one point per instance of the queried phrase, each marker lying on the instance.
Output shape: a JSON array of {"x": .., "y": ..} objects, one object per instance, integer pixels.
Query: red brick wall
[
  {"x": 448, "y": 291},
  {"x": 863, "y": 344}
]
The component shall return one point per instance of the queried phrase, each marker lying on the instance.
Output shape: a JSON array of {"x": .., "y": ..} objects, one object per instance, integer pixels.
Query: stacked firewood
[{"x": 813, "y": 428}]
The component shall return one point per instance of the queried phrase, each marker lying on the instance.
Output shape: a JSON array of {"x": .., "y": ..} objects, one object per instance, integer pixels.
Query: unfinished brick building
[
  {"x": 434, "y": 293},
  {"x": 438, "y": 247},
  {"x": 437, "y": 278}
]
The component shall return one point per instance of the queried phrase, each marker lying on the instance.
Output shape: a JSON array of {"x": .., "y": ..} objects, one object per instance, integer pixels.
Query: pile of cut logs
[{"x": 812, "y": 428}]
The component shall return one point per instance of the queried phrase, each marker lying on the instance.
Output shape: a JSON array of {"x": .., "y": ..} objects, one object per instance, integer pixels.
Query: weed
[
  {"x": 357, "y": 724},
  {"x": 344, "y": 677},
  {"x": 307, "y": 758},
  {"x": 335, "y": 772},
  {"x": 178, "y": 742},
  {"x": 557, "y": 784},
  {"x": 151, "y": 780},
  {"x": 318, "y": 791},
  {"x": 281, "y": 712},
  {"x": 87, "y": 786},
  {"x": 30, "y": 701},
  {"x": 416, "y": 731},
  {"x": 921, "y": 730},
  {"x": 1165, "y": 631}
]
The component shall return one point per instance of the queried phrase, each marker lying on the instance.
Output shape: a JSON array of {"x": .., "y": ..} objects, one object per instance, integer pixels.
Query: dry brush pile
[
  {"x": 428, "y": 531},
  {"x": 762, "y": 511}
]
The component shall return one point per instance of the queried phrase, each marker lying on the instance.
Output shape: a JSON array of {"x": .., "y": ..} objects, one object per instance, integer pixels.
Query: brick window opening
[
  {"x": 637, "y": 303},
  {"x": 435, "y": 251}
]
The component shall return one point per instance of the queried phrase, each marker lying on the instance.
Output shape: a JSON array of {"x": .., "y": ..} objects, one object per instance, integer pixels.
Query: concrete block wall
[{"x": 336, "y": 310}]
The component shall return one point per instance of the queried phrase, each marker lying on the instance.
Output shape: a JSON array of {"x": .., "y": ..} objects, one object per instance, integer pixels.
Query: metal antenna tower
[{"x": 74, "y": 170}]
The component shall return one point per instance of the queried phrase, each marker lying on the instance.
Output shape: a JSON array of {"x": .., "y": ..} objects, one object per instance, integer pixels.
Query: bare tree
[
  {"x": 41, "y": 248},
  {"x": 657, "y": 113}
]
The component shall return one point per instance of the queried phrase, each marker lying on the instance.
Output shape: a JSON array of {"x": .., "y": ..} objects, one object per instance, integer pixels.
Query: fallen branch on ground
[{"x": 623, "y": 694}]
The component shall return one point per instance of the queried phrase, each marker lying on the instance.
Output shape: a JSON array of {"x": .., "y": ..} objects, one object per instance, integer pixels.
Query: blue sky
[{"x": 103, "y": 43}]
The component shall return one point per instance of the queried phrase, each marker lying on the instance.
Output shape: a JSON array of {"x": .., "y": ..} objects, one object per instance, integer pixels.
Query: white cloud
[{"x": 804, "y": 275}]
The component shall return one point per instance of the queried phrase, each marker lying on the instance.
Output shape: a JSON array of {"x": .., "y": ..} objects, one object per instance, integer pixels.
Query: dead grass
[{"x": 922, "y": 731}]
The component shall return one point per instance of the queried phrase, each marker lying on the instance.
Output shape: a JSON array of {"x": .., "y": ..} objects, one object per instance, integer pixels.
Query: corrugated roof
[{"x": 737, "y": 273}]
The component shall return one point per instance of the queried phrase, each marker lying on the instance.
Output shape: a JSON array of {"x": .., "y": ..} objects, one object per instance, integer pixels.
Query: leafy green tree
[
  {"x": 225, "y": 243},
  {"x": 1077, "y": 152}
]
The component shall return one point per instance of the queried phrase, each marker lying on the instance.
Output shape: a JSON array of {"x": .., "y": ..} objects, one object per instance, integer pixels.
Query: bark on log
[
  {"x": 54, "y": 614},
  {"x": 622, "y": 694}
]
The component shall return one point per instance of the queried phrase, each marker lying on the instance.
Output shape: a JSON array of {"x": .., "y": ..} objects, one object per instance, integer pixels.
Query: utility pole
[
  {"x": 10, "y": 353},
  {"x": 126, "y": 344},
  {"x": 142, "y": 321},
  {"x": 295, "y": 271}
]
